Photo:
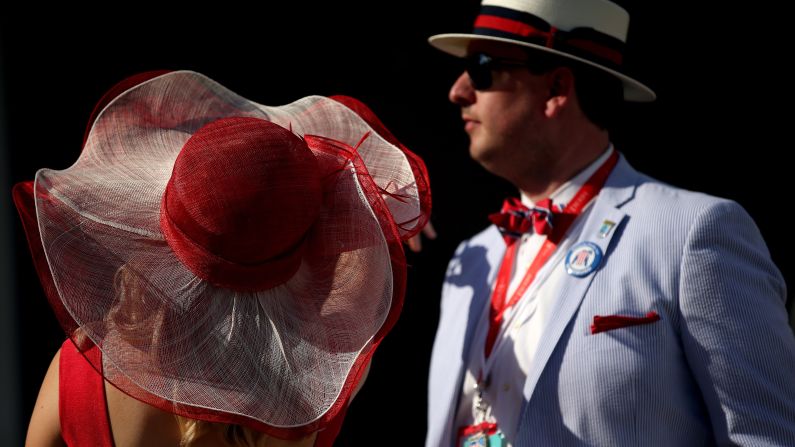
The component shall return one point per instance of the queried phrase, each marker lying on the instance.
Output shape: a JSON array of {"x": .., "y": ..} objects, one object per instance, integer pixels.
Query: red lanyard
[{"x": 573, "y": 209}]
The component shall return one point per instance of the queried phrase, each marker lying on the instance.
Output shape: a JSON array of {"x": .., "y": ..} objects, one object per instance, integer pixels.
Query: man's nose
[{"x": 462, "y": 93}]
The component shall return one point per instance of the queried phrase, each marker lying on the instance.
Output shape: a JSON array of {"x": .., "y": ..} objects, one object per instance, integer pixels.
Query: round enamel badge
[{"x": 583, "y": 259}]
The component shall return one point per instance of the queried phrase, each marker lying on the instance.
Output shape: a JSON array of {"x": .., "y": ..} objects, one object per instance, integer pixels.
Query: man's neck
[{"x": 569, "y": 164}]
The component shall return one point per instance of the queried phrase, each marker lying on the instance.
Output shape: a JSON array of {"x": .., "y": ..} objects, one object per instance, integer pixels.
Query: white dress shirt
[{"x": 522, "y": 325}]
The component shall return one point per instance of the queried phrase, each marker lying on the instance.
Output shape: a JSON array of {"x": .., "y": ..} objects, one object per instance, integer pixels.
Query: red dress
[
  {"x": 81, "y": 399},
  {"x": 83, "y": 407}
]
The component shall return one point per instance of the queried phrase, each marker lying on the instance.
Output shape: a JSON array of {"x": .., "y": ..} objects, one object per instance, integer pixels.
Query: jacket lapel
[
  {"x": 619, "y": 188},
  {"x": 468, "y": 297}
]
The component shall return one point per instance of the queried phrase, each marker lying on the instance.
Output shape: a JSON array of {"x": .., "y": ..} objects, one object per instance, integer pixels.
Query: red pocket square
[{"x": 610, "y": 322}]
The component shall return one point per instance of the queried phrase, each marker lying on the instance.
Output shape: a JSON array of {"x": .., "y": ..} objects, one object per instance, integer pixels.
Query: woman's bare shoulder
[
  {"x": 135, "y": 423},
  {"x": 45, "y": 424}
]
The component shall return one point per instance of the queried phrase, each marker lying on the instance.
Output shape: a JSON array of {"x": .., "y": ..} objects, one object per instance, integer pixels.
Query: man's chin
[
  {"x": 486, "y": 159},
  {"x": 490, "y": 160},
  {"x": 481, "y": 154}
]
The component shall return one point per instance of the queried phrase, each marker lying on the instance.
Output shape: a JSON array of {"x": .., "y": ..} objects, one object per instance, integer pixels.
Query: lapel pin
[
  {"x": 606, "y": 228},
  {"x": 583, "y": 259}
]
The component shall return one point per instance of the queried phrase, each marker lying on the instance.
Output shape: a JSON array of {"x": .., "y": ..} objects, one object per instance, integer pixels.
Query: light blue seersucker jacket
[{"x": 717, "y": 368}]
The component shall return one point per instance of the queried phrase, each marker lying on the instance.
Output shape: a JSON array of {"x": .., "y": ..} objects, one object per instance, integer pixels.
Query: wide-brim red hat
[{"x": 233, "y": 262}]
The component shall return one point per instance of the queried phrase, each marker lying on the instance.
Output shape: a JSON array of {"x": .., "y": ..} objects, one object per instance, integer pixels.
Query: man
[{"x": 606, "y": 308}]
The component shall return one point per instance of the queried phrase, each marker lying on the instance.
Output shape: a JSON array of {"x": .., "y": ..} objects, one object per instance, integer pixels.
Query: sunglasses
[{"x": 480, "y": 68}]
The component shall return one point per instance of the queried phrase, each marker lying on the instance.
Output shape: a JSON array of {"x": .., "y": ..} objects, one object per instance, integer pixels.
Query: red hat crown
[{"x": 242, "y": 197}]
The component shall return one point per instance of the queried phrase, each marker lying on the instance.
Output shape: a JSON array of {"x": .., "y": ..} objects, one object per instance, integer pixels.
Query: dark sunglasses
[{"x": 480, "y": 67}]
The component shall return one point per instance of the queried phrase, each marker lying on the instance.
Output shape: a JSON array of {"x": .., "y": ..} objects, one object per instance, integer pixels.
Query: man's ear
[{"x": 561, "y": 90}]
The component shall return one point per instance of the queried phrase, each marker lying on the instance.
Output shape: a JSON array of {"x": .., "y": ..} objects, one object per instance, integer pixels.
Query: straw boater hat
[
  {"x": 589, "y": 31},
  {"x": 233, "y": 262}
]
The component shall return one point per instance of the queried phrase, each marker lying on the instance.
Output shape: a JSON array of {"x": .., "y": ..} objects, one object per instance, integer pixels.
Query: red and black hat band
[{"x": 586, "y": 43}]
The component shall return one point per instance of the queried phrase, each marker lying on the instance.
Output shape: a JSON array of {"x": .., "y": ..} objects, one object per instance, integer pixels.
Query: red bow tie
[{"x": 515, "y": 219}]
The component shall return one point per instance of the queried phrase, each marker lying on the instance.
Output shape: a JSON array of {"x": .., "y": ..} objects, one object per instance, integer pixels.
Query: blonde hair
[
  {"x": 133, "y": 318},
  {"x": 191, "y": 430},
  {"x": 232, "y": 435}
]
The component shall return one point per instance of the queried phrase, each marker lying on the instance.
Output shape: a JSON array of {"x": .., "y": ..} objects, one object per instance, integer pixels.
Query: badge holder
[
  {"x": 485, "y": 434},
  {"x": 481, "y": 433}
]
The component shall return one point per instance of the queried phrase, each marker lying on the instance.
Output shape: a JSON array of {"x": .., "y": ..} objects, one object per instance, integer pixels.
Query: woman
[{"x": 224, "y": 270}]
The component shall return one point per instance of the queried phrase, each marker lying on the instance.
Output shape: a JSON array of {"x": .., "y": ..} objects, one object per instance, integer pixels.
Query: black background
[{"x": 720, "y": 125}]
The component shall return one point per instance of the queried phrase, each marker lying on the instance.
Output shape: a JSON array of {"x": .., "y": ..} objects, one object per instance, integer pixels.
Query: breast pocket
[{"x": 609, "y": 370}]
